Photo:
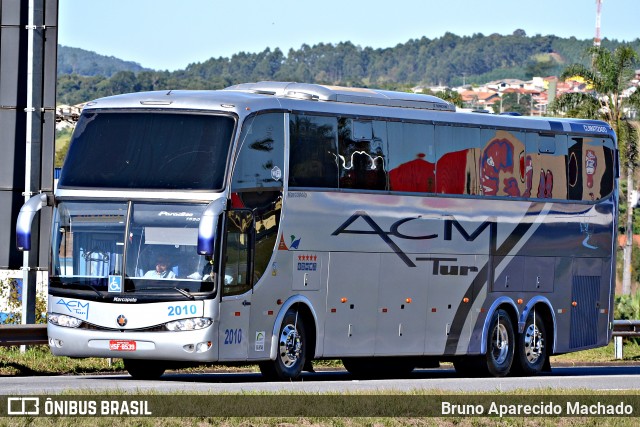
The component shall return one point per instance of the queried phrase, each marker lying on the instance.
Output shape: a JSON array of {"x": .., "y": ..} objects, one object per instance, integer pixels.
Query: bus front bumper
[{"x": 199, "y": 346}]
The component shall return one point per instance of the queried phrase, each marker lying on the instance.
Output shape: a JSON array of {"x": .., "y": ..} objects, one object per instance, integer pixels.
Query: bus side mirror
[
  {"x": 25, "y": 218},
  {"x": 208, "y": 226}
]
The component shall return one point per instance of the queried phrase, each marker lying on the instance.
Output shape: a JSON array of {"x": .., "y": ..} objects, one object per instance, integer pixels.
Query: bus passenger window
[
  {"x": 411, "y": 157},
  {"x": 546, "y": 163},
  {"x": 504, "y": 166},
  {"x": 260, "y": 164},
  {"x": 362, "y": 154},
  {"x": 589, "y": 168},
  {"x": 457, "y": 150},
  {"x": 313, "y": 160}
]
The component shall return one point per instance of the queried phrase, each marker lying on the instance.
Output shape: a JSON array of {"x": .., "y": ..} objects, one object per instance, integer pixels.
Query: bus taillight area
[{"x": 130, "y": 252}]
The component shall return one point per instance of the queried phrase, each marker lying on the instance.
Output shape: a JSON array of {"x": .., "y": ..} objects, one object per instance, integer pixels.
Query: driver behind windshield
[{"x": 161, "y": 271}]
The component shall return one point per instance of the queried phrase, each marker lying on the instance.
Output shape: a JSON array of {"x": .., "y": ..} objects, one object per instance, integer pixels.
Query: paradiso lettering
[{"x": 439, "y": 266}]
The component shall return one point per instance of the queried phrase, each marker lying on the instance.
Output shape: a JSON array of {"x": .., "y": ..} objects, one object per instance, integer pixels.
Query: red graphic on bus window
[
  {"x": 546, "y": 185},
  {"x": 511, "y": 187},
  {"x": 590, "y": 165},
  {"x": 497, "y": 158},
  {"x": 451, "y": 173},
  {"x": 414, "y": 176}
]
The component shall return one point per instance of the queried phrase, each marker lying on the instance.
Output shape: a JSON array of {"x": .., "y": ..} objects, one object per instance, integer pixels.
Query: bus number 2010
[
  {"x": 232, "y": 336},
  {"x": 179, "y": 310}
]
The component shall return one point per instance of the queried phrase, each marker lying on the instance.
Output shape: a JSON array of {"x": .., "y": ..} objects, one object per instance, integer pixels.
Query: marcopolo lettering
[{"x": 450, "y": 224}]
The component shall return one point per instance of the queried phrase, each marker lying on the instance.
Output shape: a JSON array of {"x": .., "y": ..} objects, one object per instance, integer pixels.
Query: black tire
[
  {"x": 531, "y": 352},
  {"x": 500, "y": 345},
  {"x": 292, "y": 350},
  {"x": 384, "y": 367},
  {"x": 141, "y": 369}
]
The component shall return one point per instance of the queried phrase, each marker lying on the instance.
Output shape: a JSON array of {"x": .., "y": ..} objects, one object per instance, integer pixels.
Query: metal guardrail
[
  {"x": 23, "y": 335},
  {"x": 626, "y": 328},
  {"x": 621, "y": 329}
]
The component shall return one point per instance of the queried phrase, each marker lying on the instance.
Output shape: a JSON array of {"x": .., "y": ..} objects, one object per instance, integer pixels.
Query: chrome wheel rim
[
  {"x": 533, "y": 344},
  {"x": 290, "y": 346},
  {"x": 500, "y": 343}
]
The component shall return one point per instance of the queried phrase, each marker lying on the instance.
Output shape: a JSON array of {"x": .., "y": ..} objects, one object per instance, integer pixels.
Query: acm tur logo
[{"x": 449, "y": 225}]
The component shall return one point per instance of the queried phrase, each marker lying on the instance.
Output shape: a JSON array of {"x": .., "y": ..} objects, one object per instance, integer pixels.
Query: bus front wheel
[
  {"x": 292, "y": 349},
  {"x": 144, "y": 369}
]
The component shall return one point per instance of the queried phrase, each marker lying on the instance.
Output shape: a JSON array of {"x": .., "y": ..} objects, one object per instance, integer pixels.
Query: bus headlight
[
  {"x": 189, "y": 324},
  {"x": 64, "y": 320}
]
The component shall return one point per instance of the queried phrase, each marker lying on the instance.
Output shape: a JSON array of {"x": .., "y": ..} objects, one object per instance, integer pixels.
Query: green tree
[
  {"x": 609, "y": 75},
  {"x": 451, "y": 96},
  {"x": 516, "y": 103}
]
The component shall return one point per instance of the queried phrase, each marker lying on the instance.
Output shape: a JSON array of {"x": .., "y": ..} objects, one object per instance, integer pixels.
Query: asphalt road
[{"x": 592, "y": 377}]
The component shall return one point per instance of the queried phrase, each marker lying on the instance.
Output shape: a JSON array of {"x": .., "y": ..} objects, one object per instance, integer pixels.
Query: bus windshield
[
  {"x": 93, "y": 245},
  {"x": 141, "y": 150}
]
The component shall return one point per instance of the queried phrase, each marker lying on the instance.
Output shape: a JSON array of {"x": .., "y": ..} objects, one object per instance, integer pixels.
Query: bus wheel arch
[
  {"x": 497, "y": 351},
  {"x": 293, "y": 342}
]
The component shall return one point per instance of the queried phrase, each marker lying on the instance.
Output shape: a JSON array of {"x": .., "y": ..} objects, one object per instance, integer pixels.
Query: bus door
[{"x": 236, "y": 284}]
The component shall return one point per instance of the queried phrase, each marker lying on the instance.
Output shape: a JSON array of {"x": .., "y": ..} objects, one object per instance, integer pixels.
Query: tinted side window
[
  {"x": 237, "y": 276},
  {"x": 503, "y": 167},
  {"x": 362, "y": 154},
  {"x": 458, "y": 151},
  {"x": 313, "y": 160},
  {"x": 590, "y": 163},
  {"x": 546, "y": 159},
  {"x": 411, "y": 157},
  {"x": 260, "y": 162}
]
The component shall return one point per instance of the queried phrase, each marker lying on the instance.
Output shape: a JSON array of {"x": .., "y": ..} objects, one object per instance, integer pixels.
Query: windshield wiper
[
  {"x": 81, "y": 284},
  {"x": 163, "y": 288}
]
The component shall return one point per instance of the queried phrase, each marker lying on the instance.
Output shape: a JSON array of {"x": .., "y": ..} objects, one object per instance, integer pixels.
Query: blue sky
[{"x": 170, "y": 34}]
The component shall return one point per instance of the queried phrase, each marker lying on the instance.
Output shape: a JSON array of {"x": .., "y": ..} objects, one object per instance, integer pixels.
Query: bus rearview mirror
[
  {"x": 208, "y": 226},
  {"x": 25, "y": 218}
]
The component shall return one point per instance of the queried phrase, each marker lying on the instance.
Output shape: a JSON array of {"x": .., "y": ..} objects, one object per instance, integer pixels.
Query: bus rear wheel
[
  {"x": 292, "y": 350},
  {"x": 500, "y": 345},
  {"x": 141, "y": 369},
  {"x": 532, "y": 349}
]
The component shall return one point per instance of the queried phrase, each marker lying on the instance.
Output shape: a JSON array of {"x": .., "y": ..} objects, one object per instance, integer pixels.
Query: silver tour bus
[{"x": 278, "y": 223}]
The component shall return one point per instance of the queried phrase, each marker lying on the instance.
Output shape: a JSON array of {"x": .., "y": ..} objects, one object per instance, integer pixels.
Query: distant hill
[
  {"x": 448, "y": 60},
  {"x": 72, "y": 60}
]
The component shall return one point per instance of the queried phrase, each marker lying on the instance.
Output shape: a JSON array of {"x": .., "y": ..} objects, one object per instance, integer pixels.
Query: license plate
[{"x": 120, "y": 345}]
